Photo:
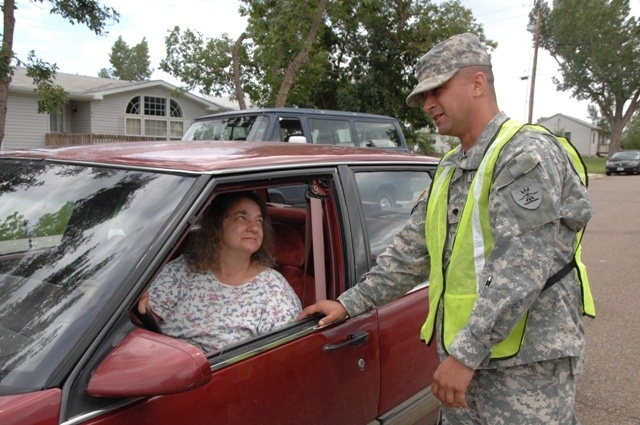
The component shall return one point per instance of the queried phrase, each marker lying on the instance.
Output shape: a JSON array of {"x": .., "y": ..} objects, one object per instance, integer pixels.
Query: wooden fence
[{"x": 66, "y": 139}]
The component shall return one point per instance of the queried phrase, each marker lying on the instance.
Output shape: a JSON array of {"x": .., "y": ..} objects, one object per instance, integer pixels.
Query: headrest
[{"x": 289, "y": 246}]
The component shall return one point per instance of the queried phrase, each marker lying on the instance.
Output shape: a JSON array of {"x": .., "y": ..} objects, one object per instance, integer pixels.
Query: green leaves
[
  {"x": 355, "y": 55},
  {"x": 129, "y": 63},
  {"x": 596, "y": 44},
  {"x": 52, "y": 96}
]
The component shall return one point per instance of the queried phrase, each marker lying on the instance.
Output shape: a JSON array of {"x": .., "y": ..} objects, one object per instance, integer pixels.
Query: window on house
[
  {"x": 55, "y": 123},
  {"x": 567, "y": 135},
  {"x": 154, "y": 116}
]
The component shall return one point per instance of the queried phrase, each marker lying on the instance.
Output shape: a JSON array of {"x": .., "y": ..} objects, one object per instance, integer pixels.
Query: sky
[{"x": 77, "y": 50}]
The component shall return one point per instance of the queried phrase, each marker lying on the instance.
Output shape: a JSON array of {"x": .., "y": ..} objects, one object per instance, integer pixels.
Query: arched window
[{"x": 154, "y": 116}]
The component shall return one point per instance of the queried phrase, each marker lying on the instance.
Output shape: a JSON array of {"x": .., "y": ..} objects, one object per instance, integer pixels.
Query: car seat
[{"x": 290, "y": 257}]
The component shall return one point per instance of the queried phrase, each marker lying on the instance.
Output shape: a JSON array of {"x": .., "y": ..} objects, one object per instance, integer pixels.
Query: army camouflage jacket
[{"x": 530, "y": 245}]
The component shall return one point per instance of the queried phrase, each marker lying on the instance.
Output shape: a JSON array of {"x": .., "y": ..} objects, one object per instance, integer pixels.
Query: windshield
[
  {"x": 69, "y": 236},
  {"x": 626, "y": 155},
  {"x": 246, "y": 127}
]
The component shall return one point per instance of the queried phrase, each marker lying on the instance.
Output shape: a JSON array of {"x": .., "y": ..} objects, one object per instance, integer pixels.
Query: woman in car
[{"x": 223, "y": 289}]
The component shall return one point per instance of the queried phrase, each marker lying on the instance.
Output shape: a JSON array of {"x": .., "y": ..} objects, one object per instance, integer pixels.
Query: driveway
[{"x": 608, "y": 390}]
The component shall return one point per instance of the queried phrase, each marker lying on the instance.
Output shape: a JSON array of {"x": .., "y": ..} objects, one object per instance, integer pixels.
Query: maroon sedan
[{"x": 84, "y": 230}]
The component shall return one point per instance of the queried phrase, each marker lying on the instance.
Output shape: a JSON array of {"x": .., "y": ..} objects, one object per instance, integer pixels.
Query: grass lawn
[{"x": 595, "y": 165}]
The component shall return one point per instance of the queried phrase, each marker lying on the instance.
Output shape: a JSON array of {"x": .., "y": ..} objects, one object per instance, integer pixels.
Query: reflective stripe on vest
[{"x": 459, "y": 286}]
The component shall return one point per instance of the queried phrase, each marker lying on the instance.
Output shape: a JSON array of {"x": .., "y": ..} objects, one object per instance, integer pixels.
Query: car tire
[
  {"x": 608, "y": 173},
  {"x": 385, "y": 199}
]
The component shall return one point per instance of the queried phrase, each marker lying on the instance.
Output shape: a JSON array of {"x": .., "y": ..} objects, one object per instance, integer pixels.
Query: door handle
[{"x": 355, "y": 339}]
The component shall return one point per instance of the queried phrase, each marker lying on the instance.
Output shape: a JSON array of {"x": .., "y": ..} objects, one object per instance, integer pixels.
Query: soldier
[{"x": 498, "y": 240}]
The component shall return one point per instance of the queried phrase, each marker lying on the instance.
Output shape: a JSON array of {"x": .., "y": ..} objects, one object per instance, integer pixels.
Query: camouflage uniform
[{"x": 530, "y": 245}]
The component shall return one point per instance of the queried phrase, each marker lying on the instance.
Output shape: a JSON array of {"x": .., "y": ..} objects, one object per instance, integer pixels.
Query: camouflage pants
[{"x": 534, "y": 394}]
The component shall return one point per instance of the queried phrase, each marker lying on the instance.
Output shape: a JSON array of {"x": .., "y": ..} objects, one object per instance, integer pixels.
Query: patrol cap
[{"x": 439, "y": 64}]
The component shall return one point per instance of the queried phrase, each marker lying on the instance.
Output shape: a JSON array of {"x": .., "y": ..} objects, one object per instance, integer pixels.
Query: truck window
[
  {"x": 377, "y": 134},
  {"x": 247, "y": 127},
  {"x": 288, "y": 127},
  {"x": 331, "y": 132}
]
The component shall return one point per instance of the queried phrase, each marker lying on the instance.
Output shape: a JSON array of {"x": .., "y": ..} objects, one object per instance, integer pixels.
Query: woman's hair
[{"x": 203, "y": 251}]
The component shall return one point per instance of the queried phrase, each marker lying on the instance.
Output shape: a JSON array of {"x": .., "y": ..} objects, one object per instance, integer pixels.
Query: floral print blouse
[{"x": 197, "y": 307}]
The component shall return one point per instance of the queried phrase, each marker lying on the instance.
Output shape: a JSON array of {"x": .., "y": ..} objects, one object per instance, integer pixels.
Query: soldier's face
[{"x": 448, "y": 105}]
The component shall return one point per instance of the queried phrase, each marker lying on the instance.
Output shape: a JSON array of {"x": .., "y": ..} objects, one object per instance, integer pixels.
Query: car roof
[
  {"x": 295, "y": 111},
  {"x": 215, "y": 156}
]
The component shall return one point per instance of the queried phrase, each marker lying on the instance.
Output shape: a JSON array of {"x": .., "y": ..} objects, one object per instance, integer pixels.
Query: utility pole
[{"x": 536, "y": 41}]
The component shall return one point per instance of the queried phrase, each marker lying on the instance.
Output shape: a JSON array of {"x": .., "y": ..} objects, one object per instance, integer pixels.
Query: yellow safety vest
[{"x": 458, "y": 285}]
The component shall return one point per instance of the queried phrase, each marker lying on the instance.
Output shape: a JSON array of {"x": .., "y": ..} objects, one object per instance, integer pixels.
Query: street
[{"x": 608, "y": 389}]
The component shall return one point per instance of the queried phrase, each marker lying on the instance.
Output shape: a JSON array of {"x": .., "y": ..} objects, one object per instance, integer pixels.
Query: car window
[
  {"x": 248, "y": 127},
  {"x": 69, "y": 236},
  {"x": 626, "y": 155},
  {"x": 377, "y": 134},
  {"x": 387, "y": 200},
  {"x": 331, "y": 132}
]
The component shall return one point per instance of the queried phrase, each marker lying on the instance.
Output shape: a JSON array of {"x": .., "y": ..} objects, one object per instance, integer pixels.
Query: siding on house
[
  {"x": 96, "y": 106},
  {"x": 79, "y": 117},
  {"x": 107, "y": 116},
  {"x": 25, "y": 127},
  {"x": 584, "y": 136}
]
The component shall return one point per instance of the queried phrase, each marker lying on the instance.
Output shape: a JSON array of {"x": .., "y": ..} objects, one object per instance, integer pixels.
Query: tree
[
  {"x": 283, "y": 32},
  {"x": 631, "y": 134},
  {"x": 597, "y": 46},
  {"x": 86, "y": 12},
  {"x": 355, "y": 55},
  {"x": 374, "y": 46},
  {"x": 129, "y": 63}
]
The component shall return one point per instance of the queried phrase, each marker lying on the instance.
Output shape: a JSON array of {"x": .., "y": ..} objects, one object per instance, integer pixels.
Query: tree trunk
[
  {"x": 301, "y": 58},
  {"x": 239, "y": 93},
  {"x": 615, "y": 143},
  {"x": 619, "y": 121},
  {"x": 6, "y": 54}
]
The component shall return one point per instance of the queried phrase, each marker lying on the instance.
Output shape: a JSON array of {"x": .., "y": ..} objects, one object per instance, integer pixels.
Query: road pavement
[{"x": 608, "y": 391}]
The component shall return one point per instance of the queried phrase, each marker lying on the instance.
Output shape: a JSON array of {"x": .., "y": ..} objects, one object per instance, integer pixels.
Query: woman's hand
[
  {"x": 143, "y": 302},
  {"x": 333, "y": 311}
]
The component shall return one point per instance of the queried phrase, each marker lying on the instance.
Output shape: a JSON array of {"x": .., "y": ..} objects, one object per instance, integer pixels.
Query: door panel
[
  {"x": 407, "y": 362},
  {"x": 297, "y": 383}
]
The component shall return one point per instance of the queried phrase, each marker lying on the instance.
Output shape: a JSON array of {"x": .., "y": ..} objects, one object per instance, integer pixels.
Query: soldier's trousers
[{"x": 540, "y": 393}]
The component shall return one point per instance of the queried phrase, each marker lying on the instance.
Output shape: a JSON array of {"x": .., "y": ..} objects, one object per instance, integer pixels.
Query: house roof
[
  {"x": 83, "y": 87},
  {"x": 579, "y": 121}
]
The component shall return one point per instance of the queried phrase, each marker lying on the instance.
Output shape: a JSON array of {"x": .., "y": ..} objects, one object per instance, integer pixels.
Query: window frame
[{"x": 140, "y": 121}]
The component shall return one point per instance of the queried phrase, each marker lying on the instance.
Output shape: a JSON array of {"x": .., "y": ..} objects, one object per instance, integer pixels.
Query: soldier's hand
[
  {"x": 333, "y": 311},
  {"x": 450, "y": 382}
]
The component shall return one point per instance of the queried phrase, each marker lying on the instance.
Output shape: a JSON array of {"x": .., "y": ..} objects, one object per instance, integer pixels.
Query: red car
[{"x": 84, "y": 230}]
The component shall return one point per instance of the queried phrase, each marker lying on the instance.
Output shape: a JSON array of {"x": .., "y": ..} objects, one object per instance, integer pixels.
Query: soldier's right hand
[{"x": 333, "y": 311}]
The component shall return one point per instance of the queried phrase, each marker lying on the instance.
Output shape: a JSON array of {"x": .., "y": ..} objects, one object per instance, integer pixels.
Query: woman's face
[{"x": 242, "y": 229}]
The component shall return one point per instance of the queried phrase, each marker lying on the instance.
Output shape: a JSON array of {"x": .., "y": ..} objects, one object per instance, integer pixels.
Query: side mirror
[
  {"x": 297, "y": 139},
  {"x": 147, "y": 364}
]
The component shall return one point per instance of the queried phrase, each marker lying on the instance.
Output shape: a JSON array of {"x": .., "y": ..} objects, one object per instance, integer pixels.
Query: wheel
[
  {"x": 385, "y": 199},
  {"x": 608, "y": 173}
]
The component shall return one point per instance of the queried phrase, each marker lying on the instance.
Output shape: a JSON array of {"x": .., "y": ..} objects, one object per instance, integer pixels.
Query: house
[
  {"x": 100, "y": 110},
  {"x": 584, "y": 136}
]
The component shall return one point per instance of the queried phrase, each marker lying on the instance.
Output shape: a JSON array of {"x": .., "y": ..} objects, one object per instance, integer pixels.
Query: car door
[
  {"x": 298, "y": 374},
  {"x": 407, "y": 363}
]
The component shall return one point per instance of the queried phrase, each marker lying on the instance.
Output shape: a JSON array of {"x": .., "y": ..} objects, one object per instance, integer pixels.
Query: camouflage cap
[{"x": 442, "y": 62}]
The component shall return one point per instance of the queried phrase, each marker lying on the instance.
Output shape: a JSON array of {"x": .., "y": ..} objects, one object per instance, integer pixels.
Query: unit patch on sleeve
[{"x": 528, "y": 195}]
